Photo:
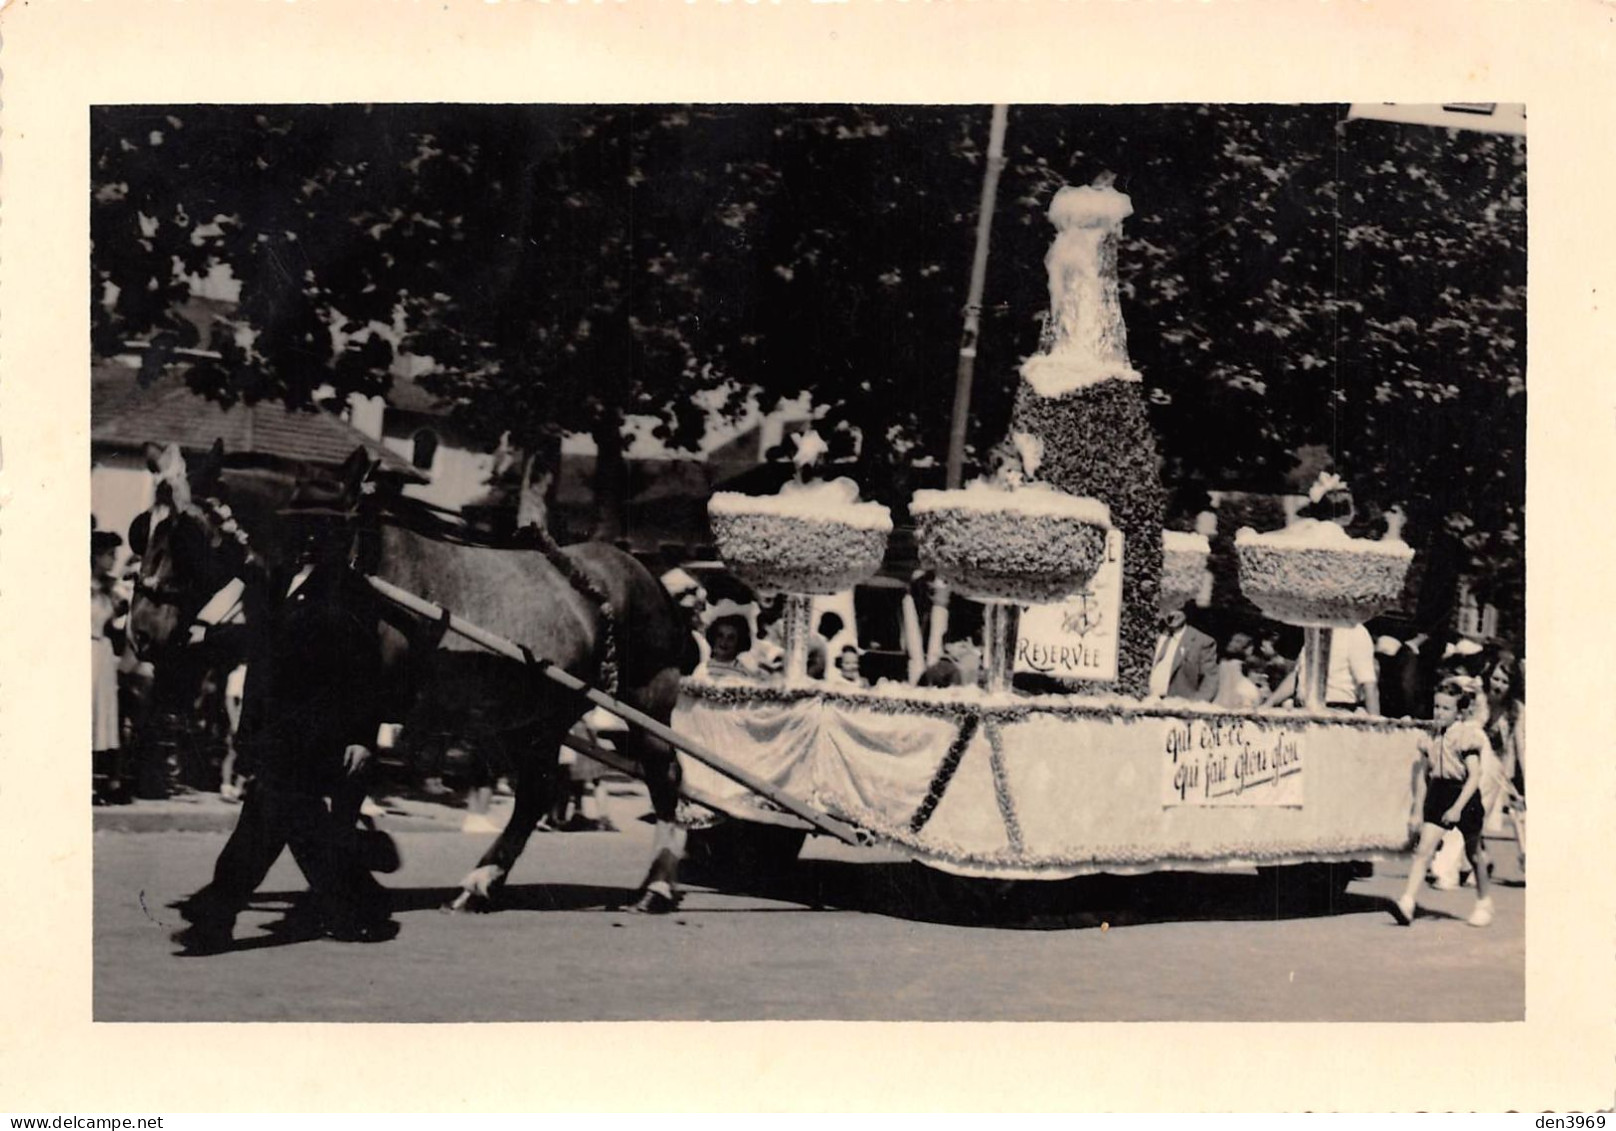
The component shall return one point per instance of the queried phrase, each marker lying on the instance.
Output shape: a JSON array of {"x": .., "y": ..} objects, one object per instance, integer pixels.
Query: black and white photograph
[
  {"x": 804, "y": 555},
  {"x": 798, "y": 562}
]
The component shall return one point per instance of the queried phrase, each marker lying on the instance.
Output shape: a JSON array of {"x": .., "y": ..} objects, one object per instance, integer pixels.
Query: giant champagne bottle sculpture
[{"x": 1083, "y": 401}]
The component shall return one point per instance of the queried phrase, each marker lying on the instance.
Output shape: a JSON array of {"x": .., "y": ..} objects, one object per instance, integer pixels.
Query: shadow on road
[
  {"x": 910, "y": 891},
  {"x": 905, "y": 891}
]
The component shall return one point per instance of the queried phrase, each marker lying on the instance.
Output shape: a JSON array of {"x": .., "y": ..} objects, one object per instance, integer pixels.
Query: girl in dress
[
  {"x": 1506, "y": 728},
  {"x": 1449, "y": 796}
]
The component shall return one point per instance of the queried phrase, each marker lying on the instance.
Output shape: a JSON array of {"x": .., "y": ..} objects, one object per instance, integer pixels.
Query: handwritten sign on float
[
  {"x": 1077, "y": 639},
  {"x": 1229, "y": 762}
]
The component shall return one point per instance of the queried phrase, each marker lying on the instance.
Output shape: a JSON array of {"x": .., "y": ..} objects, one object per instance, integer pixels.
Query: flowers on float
[
  {"x": 810, "y": 538},
  {"x": 1098, "y": 442},
  {"x": 1030, "y": 544},
  {"x": 1089, "y": 206},
  {"x": 1031, "y": 450},
  {"x": 226, "y": 518},
  {"x": 1184, "y": 557},
  {"x": 1008, "y": 707},
  {"x": 829, "y": 501},
  {"x": 810, "y": 449},
  {"x": 1327, "y": 482},
  {"x": 1313, "y": 572},
  {"x": 975, "y": 725}
]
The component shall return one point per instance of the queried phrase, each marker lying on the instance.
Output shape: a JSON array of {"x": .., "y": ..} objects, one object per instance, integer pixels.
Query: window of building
[
  {"x": 426, "y": 449},
  {"x": 1473, "y": 618}
]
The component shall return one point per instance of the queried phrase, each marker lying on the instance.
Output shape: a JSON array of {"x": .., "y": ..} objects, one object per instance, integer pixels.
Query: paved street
[{"x": 845, "y": 934}]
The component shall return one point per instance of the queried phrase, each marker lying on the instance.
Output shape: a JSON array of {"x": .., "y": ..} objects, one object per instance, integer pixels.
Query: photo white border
[{"x": 60, "y": 56}]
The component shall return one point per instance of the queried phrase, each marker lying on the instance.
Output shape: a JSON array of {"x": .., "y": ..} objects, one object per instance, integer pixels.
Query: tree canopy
[{"x": 1289, "y": 279}]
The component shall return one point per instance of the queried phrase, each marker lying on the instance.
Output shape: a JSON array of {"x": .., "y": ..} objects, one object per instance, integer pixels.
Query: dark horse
[{"x": 589, "y": 609}]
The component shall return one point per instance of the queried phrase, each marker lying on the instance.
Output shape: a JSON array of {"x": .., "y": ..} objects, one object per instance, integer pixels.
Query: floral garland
[
  {"x": 945, "y": 773},
  {"x": 956, "y": 704},
  {"x": 1115, "y": 858},
  {"x": 589, "y": 588}
]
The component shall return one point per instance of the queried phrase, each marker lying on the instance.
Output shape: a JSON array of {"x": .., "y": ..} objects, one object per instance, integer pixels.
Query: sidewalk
[{"x": 207, "y": 812}]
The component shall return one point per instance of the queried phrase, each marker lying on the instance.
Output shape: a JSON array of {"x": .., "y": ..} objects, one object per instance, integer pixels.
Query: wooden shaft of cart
[{"x": 500, "y": 645}]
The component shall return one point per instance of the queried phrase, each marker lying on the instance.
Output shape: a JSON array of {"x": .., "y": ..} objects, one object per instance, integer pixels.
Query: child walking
[{"x": 1451, "y": 789}]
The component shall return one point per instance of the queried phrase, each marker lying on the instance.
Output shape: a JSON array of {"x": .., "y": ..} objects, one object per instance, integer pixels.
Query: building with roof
[
  {"x": 126, "y": 415},
  {"x": 665, "y": 505}
]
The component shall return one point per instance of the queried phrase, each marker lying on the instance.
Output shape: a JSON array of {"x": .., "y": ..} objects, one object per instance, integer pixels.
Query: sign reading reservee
[
  {"x": 1231, "y": 762},
  {"x": 1077, "y": 639}
]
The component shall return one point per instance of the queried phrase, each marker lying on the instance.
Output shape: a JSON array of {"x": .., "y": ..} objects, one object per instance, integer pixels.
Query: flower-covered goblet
[
  {"x": 1007, "y": 548},
  {"x": 808, "y": 540},
  {"x": 1313, "y": 575}
]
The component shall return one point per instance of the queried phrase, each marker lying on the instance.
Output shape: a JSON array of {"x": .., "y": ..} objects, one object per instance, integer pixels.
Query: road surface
[{"x": 844, "y": 934}]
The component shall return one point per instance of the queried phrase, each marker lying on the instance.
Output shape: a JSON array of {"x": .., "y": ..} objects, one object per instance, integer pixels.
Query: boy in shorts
[{"x": 1448, "y": 797}]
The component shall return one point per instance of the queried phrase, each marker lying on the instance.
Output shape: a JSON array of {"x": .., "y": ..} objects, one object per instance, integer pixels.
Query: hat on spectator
[{"x": 677, "y": 581}]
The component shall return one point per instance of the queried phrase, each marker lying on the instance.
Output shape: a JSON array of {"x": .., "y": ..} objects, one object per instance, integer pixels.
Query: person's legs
[
  {"x": 479, "y": 784},
  {"x": 234, "y": 688},
  {"x": 101, "y": 776},
  {"x": 593, "y": 806},
  {"x": 1476, "y": 850},
  {"x": 1430, "y": 837},
  {"x": 347, "y": 900},
  {"x": 1516, "y": 811},
  {"x": 245, "y": 860},
  {"x": 1446, "y": 865}
]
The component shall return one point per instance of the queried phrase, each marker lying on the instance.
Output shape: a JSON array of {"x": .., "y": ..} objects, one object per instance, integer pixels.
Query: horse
[{"x": 589, "y": 609}]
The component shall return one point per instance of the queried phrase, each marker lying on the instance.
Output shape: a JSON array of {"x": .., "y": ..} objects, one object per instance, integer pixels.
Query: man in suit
[
  {"x": 1186, "y": 664},
  {"x": 310, "y": 716}
]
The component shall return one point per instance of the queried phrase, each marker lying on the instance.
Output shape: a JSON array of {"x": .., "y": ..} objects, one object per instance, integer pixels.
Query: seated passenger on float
[
  {"x": 728, "y": 637},
  {"x": 847, "y": 666}
]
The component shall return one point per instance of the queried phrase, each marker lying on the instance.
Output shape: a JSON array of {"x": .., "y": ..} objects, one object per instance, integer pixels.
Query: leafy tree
[
  {"x": 520, "y": 248},
  {"x": 1430, "y": 397},
  {"x": 1289, "y": 280}
]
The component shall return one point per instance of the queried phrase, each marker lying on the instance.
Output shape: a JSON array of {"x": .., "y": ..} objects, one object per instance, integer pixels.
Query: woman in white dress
[{"x": 104, "y": 723}]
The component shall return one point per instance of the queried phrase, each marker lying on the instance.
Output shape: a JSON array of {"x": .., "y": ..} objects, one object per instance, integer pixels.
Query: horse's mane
[
  {"x": 442, "y": 525},
  {"x": 427, "y": 520}
]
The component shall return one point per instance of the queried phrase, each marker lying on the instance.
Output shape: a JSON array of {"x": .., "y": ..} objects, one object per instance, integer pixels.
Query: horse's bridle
[{"x": 226, "y": 602}]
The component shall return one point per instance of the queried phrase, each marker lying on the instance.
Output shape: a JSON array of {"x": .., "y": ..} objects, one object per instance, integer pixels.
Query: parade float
[{"x": 1068, "y": 554}]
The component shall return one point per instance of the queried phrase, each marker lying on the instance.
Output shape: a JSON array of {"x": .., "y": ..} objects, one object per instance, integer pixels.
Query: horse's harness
[
  {"x": 359, "y": 518},
  {"x": 225, "y": 606}
]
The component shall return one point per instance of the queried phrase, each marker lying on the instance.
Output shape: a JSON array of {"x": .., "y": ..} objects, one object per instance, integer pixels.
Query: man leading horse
[{"x": 591, "y": 610}]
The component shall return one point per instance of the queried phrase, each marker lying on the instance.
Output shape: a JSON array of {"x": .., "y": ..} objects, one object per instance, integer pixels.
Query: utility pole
[{"x": 966, "y": 372}]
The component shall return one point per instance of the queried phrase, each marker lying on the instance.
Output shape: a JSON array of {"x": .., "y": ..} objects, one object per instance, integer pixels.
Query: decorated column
[{"x": 1082, "y": 402}]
